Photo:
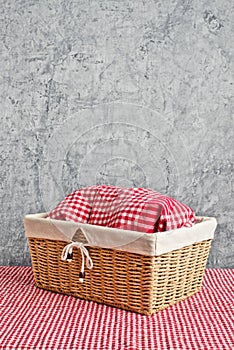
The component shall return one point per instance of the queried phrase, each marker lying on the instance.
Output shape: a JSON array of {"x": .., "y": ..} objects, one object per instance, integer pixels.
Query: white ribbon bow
[{"x": 67, "y": 250}]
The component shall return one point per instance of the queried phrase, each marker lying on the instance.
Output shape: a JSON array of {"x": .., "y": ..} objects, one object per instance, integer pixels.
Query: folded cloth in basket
[
  {"x": 137, "y": 209},
  {"x": 75, "y": 207}
]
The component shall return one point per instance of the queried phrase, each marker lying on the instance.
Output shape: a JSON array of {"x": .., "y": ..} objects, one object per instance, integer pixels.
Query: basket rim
[{"x": 38, "y": 226}]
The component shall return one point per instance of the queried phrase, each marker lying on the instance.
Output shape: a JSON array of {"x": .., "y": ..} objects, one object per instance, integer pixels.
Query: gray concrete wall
[{"x": 132, "y": 93}]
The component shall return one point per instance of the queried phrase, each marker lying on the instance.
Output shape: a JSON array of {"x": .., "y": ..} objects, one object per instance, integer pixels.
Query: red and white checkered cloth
[
  {"x": 136, "y": 209},
  {"x": 35, "y": 319}
]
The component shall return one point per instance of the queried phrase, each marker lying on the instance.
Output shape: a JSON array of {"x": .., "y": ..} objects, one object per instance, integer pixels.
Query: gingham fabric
[
  {"x": 136, "y": 209},
  {"x": 32, "y": 318},
  {"x": 75, "y": 207},
  {"x": 125, "y": 208}
]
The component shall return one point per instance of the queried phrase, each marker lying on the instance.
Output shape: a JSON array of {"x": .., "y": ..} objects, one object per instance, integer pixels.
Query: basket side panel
[
  {"x": 119, "y": 279},
  {"x": 179, "y": 274}
]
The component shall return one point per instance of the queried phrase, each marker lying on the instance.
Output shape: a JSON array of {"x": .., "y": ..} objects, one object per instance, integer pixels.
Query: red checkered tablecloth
[{"x": 32, "y": 318}]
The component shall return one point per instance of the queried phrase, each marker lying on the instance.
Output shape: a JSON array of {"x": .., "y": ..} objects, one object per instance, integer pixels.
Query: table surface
[{"x": 32, "y": 318}]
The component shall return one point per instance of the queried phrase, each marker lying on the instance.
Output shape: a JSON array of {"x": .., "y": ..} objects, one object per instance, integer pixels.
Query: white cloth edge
[
  {"x": 36, "y": 225},
  {"x": 177, "y": 239}
]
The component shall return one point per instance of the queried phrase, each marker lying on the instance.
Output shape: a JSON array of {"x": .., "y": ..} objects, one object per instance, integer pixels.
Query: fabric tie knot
[{"x": 67, "y": 255}]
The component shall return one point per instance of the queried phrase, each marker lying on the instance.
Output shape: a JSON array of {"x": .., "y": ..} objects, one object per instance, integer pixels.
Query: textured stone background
[{"x": 134, "y": 93}]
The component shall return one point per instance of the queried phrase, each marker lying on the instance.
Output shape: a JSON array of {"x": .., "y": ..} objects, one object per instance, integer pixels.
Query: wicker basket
[{"x": 135, "y": 282}]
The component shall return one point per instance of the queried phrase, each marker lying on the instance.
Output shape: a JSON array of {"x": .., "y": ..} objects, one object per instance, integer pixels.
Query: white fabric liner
[{"x": 38, "y": 226}]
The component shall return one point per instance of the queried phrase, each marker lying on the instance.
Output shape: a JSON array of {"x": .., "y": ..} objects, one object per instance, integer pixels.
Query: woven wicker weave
[{"x": 139, "y": 283}]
